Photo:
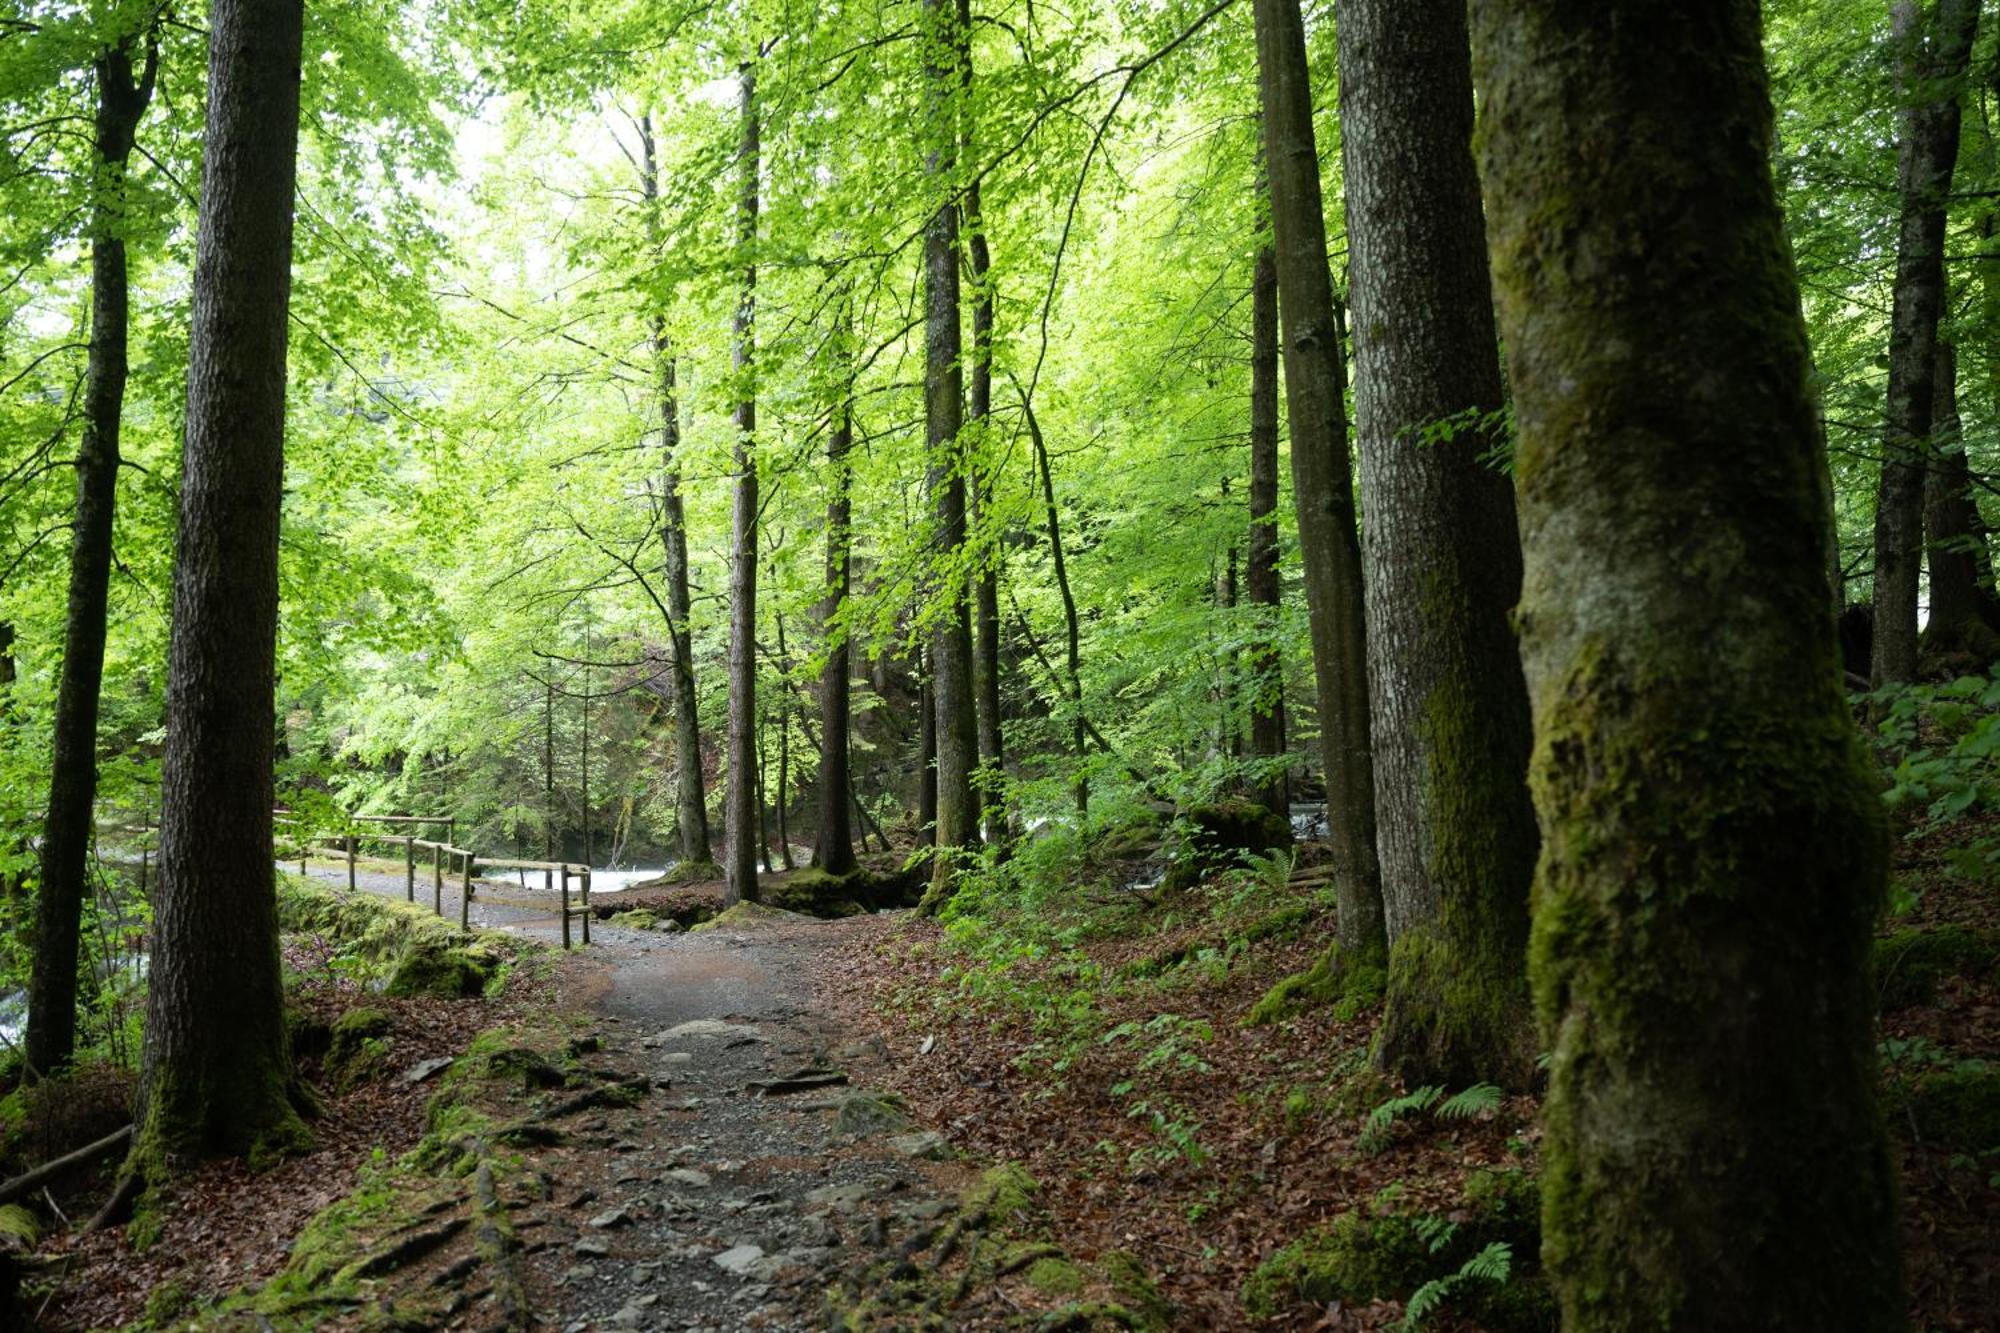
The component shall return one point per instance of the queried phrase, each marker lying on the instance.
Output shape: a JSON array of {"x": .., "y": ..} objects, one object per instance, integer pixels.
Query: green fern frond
[
  {"x": 1475, "y": 1100},
  {"x": 18, "y": 1224}
]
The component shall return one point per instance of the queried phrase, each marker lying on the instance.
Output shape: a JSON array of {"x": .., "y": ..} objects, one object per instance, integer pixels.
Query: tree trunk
[
  {"x": 691, "y": 788},
  {"x": 927, "y": 788},
  {"x": 217, "y": 1076},
  {"x": 66, "y": 827},
  {"x": 1961, "y": 562},
  {"x": 986, "y": 580},
  {"x": 833, "y": 838},
  {"x": 944, "y": 393},
  {"x": 740, "y": 793},
  {"x": 1322, "y": 474},
  {"x": 1072, "y": 626},
  {"x": 1454, "y": 828},
  {"x": 784, "y": 737},
  {"x": 1261, "y": 583},
  {"x": 1714, "y": 847},
  {"x": 1932, "y": 52}
]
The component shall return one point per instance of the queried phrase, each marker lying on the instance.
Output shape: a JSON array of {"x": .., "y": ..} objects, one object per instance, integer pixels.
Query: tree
[
  {"x": 833, "y": 838},
  {"x": 741, "y": 818},
  {"x": 122, "y": 98},
  {"x": 1963, "y": 604},
  {"x": 1262, "y": 583},
  {"x": 1932, "y": 50},
  {"x": 1322, "y": 486},
  {"x": 691, "y": 789},
  {"x": 1454, "y": 829},
  {"x": 217, "y": 1076},
  {"x": 1713, "y": 852},
  {"x": 944, "y": 478}
]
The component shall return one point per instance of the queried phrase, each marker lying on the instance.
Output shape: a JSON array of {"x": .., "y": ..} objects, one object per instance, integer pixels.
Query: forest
[{"x": 968, "y": 664}]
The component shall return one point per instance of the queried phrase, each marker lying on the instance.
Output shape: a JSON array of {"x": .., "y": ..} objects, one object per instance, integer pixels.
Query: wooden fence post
[
  {"x": 565, "y": 906},
  {"x": 586, "y": 904},
  {"x": 437, "y": 878},
  {"x": 351, "y": 840},
  {"x": 465, "y": 898},
  {"x": 410, "y": 868}
]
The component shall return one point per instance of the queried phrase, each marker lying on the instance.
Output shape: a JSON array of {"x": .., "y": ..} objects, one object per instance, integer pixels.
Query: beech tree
[
  {"x": 124, "y": 90},
  {"x": 742, "y": 809},
  {"x": 217, "y": 1075},
  {"x": 1713, "y": 849},
  {"x": 1455, "y": 832},
  {"x": 1322, "y": 484}
]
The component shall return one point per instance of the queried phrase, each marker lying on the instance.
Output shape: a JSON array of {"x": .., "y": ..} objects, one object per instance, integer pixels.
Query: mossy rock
[
  {"x": 1054, "y": 1276},
  {"x": 1127, "y": 840},
  {"x": 813, "y": 892},
  {"x": 1957, "y": 1107},
  {"x": 448, "y": 973},
  {"x": 356, "y": 1050},
  {"x": 1364, "y": 1256},
  {"x": 1909, "y": 964},
  {"x": 309, "y": 1034},
  {"x": 745, "y": 915},
  {"x": 870, "y": 1113},
  {"x": 635, "y": 918},
  {"x": 1135, "y": 1287},
  {"x": 1001, "y": 1193},
  {"x": 1219, "y": 836}
]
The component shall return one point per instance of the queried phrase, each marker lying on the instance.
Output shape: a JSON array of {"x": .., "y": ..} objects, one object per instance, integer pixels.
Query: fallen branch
[{"x": 33, "y": 1180}]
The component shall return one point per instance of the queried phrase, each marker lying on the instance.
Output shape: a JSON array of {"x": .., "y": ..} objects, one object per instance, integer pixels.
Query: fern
[
  {"x": 18, "y": 1224},
  {"x": 1475, "y": 1100},
  {"x": 1495, "y": 1264}
]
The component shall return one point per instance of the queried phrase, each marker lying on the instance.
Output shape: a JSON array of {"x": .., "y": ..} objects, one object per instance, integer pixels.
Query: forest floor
[{"x": 1060, "y": 1120}]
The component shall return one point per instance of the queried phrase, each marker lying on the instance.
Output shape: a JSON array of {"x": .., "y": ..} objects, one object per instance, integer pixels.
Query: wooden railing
[{"x": 461, "y": 863}]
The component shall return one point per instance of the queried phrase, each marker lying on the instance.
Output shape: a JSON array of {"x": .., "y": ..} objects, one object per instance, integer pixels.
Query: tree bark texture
[
  {"x": 833, "y": 839},
  {"x": 986, "y": 580},
  {"x": 1261, "y": 582},
  {"x": 1962, "y": 607},
  {"x": 1322, "y": 473},
  {"x": 740, "y": 817},
  {"x": 1932, "y": 50},
  {"x": 122, "y": 97},
  {"x": 1454, "y": 828},
  {"x": 217, "y": 1075},
  {"x": 944, "y": 407},
  {"x": 1713, "y": 852},
  {"x": 691, "y": 787}
]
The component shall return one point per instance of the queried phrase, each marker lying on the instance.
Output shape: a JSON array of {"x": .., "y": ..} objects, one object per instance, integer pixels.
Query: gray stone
[
  {"x": 738, "y": 1259},
  {"x": 685, "y": 1175},
  {"x": 595, "y": 1249},
  {"x": 616, "y": 1217},
  {"x": 927, "y": 1144},
  {"x": 712, "y": 1027},
  {"x": 868, "y": 1113}
]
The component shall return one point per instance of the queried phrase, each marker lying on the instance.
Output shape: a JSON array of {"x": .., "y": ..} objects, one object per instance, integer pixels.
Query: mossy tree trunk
[
  {"x": 690, "y": 785},
  {"x": 1713, "y": 843},
  {"x": 1932, "y": 50},
  {"x": 742, "y": 816},
  {"x": 944, "y": 414},
  {"x": 122, "y": 98},
  {"x": 1454, "y": 829},
  {"x": 1322, "y": 472},
  {"x": 217, "y": 1076},
  {"x": 1261, "y": 583}
]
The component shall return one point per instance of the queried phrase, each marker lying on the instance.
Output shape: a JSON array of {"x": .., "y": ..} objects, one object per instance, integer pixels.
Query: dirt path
[{"x": 758, "y": 1171}]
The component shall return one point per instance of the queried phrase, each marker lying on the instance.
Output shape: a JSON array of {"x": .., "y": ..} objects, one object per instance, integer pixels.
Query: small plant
[
  {"x": 1376, "y": 1130},
  {"x": 1493, "y": 1264}
]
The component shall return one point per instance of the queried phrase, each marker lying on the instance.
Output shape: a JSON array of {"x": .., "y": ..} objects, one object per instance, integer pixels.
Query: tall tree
[
  {"x": 1261, "y": 581},
  {"x": 944, "y": 409},
  {"x": 1933, "y": 47},
  {"x": 1713, "y": 852},
  {"x": 740, "y": 816},
  {"x": 122, "y": 98},
  {"x": 690, "y": 787},
  {"x": 217, "y": 1075},
  {"x": 1963, "y": 607},
  {"x": 1322, "y": 474},
  {"x": 833, "y": 836},
  {"x": 1454, "y": 827}
]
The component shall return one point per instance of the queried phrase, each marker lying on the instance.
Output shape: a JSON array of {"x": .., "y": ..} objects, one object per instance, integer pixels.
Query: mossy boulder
[
  {"x": 448, "y": 973},
  {"x": 1370, "y": 1255},
  {"x": 1350, "y": 988},
  {"x": 870, "y": 1113},
  {"x": 813, "y": 892},
  {"x": 1219, "y": 835},
  {"x": 635, "y": 918},
  {"x": 1000, "y": 1194},
  {"x": 1958, "y": 1107},
  {"x": 1054, "y": 1276},
  {"x": 747, "y": 915},
  {"x": 357, "y": 1047},
  {"x": 1909, "y": 964},
  {"x": 308, "y": 1033}
]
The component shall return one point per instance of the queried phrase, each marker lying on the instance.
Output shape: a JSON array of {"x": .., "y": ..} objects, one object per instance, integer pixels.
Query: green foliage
[{"x": 1378, "y": 1129}]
